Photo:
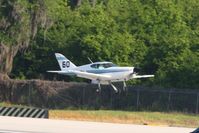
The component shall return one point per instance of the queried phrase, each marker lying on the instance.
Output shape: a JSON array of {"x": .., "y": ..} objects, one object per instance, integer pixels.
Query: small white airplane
[{"x": 98, "y": 72}]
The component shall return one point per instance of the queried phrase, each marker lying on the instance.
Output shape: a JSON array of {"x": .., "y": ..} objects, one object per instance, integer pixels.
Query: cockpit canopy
[{"x": 102, "y": 65}]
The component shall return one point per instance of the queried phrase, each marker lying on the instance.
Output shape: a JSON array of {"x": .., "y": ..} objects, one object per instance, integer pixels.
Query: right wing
[
  {"x": 134, "y": 76},
  {"x": 81, "y": 74}
]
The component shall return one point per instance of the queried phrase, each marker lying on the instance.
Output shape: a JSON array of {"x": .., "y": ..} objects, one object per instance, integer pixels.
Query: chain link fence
[{"x": 59, "y": 95}]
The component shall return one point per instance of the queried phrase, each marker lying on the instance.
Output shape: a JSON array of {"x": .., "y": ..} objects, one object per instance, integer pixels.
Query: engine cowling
[{"x": 136, "y": 70}]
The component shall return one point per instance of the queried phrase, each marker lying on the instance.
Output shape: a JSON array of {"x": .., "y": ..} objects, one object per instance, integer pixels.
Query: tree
[
  {"x": 159, "y": 36},
  {"x": 19, "y": 23}
]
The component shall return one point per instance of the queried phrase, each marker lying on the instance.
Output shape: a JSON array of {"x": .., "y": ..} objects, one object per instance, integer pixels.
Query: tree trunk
[
  {"x": 7, "y": 54},
  {"x": 19, "y": 26},
  {"x": 79, "y": 2},
  {"x": 93, "y": 2}
]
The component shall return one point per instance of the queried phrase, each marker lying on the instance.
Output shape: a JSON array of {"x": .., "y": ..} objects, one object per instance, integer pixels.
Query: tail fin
[{"x": 64, "y": 63}]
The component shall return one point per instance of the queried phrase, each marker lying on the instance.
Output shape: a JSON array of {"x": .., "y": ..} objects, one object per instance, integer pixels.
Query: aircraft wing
[
  {"x": 91, "y": 76},
  {"x": 140, "y": 76},
  {"x": 81, "y": 74}
]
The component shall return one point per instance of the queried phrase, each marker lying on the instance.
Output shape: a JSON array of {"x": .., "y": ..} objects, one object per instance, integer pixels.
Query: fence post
[
  {"x": 197, "y": 102},
  {"x": 169, "y": 100},
  {"x": 83, "y": 96},
  {"x": 29, "y": 94},
  {"x": 138, "y": 98},
  {"x": 111, "y": 98}
]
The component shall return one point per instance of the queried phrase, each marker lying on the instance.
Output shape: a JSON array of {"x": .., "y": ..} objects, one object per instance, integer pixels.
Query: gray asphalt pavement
[{"x": 32, "y": 125}]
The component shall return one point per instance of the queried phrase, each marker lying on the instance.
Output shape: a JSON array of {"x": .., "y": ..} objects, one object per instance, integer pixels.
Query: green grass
[
  {"x": 128, "y": 117},
  {"x": 146, "y": 118},
  {"x": 7, "y": 104}
]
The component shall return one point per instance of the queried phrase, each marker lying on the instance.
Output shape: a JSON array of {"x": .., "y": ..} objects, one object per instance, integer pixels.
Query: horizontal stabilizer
[
  {"x": 54, "y": 71},
  {"x": 63, "y": 72}
]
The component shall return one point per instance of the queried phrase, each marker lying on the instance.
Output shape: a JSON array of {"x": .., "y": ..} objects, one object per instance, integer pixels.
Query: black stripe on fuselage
[{"x": 100, "y": 71}]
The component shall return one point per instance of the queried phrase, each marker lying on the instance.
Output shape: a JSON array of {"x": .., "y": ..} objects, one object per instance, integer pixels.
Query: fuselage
[{"x": 115, "y": 73}]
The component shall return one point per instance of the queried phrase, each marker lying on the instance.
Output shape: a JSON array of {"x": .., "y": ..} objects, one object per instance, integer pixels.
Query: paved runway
[{"x": 30, "y": 125}]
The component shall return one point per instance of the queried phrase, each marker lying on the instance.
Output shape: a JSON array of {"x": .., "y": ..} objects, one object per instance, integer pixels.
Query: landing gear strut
[
  {"x": 115, "y": 89},
  {"x": 124, "y": 86},
  {"x": 99, "y": 88}
]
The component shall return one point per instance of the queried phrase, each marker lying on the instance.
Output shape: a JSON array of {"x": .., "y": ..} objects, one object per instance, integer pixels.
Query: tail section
[{"x": 64, "y": 63}]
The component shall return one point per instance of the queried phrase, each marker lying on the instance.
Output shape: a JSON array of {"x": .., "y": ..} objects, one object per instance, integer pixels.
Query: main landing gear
[
  {"x": 99, "y": 88},
  {"x": 114, "y": 88}
]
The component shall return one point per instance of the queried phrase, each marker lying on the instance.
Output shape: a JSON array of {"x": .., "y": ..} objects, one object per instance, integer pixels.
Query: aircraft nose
[{"x": 136, "y": 70}]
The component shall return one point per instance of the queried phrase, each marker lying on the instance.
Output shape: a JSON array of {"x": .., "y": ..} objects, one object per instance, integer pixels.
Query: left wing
[
  {"x": 81, "y": 74},
  {"x": 91, "y": 76}
]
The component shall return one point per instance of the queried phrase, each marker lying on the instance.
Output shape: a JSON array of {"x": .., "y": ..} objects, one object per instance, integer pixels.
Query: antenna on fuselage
[{"x": 89, "y": 59}]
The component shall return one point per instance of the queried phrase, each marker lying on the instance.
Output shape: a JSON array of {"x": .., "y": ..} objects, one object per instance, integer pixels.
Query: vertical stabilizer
[{"x": 64, "y": 63}]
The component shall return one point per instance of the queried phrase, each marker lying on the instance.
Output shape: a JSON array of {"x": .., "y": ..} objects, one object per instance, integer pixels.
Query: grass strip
[{"x": 128, "y": 117}]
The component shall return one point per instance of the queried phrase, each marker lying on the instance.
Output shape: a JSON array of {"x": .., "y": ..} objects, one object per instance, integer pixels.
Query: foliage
[{"x": 161, "y": 37}]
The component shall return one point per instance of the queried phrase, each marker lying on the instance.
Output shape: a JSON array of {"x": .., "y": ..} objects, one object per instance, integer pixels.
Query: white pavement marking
[{"x": 32, "y": 125}]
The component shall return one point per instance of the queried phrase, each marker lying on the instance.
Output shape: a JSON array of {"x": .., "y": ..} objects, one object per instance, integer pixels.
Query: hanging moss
[{"x": 19, "y": 21}]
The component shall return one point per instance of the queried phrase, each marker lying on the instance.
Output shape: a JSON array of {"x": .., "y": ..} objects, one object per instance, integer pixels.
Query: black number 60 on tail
[{"x": 66, "y": 64}]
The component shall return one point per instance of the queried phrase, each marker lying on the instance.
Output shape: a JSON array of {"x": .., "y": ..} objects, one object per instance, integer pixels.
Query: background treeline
[{"x": 159, "y": 36}]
